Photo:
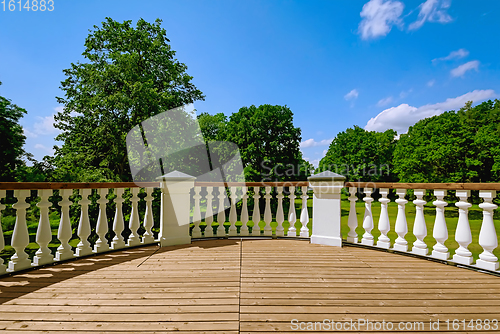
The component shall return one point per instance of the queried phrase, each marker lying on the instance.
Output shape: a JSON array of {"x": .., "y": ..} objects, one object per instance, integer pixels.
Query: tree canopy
[
  {"x": 11, "y": 145},
  {"x": 131, "y": 75}
]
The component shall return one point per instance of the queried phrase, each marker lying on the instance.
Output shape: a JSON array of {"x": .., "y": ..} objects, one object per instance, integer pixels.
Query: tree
[
  {"x": 268, "y": 142},
  {"x": 361, "y": 155},
  {"x": 131, "y": 75},
  {"x": 11, "y": 145},
  {"x": 461, "y": 146}
]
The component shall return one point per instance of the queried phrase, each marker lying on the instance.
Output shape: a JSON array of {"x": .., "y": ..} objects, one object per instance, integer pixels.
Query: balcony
[{"x": 412, "y": 271}]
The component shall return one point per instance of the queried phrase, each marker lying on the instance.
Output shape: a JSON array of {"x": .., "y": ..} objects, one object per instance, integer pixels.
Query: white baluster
[
  {"x": 401, "y": 227},
  {"x": 352, "y": 221},
  {"x": 148, "y": 236},
  {"x": 101, "y": 244},
  {"x": 44, "y": 233},
  {"x": 20, "y": 236},
  {"x": 463, "y": 235},
  {"x": 419, "y": 227},
  {"x": 65, "y": 231},
  {"x": 209, "y": 231},
  {"x": 292, "y": 214},
  {"x": 83, "y": 248},
  {"x": 2, "y": 240},
  {"x": 384, "y": 225},
  {"x": 304, "y": 214},
  {"x": 233, "y": 217},
  {"x": 221, "y": 216},
  {"x": 268, "y": 216},
  {"x": 134, "y": 222},
  {"x": 440, "y": 231},
  {"x": 488, "y": 238},
  {"x": 280, "y": 217},
  {"x": 244, "y": 213},
  {"x": 118, "y": 223},
  {"x": 368, "y": 219},
  {"x": 196, "y": 233},
  {"x": 256, "y": 212}
]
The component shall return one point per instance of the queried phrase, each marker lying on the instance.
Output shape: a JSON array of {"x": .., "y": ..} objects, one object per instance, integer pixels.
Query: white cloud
[
  {"x": 460, "y": 70},
  {"x": 353, "y": 94},
  {"x": 400, "y": 118},
  {"x": 431, "y": 83},
  {"x": 45, "y": 126},
  {"x": 28, "y": 133},
  {"x": 460, "y": 53},
  {"x": 404, "y": 94},
  {"x": 50, "y": 151},
  {"x": 432, "y": 11},
  {"x": 378, "y": 18},
  {"x": 384, "y": 102},
  {"x": 312, "y": 143}
]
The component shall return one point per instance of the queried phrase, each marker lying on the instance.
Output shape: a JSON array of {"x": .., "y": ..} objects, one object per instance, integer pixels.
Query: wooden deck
[{"x": 233, "y": 286}]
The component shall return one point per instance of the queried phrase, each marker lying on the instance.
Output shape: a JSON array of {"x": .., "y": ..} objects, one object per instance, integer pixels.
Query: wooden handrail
[{"x": 377, "y": 185}]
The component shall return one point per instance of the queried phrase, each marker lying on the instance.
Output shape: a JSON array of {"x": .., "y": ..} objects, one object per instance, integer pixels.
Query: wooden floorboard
[{"x": 248, "y": 286}]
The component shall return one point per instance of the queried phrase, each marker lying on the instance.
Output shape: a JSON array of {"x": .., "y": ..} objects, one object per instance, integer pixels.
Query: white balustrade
[
  {"x": 134, "y": 223},
  {"x": 280, "y": 218},
  {"x": 20, "y": 237},
  {"x": 83, "y": 248},
  {"x": 221, "y": 216},
  {"x": 304, "y": 214},
  {"x": 3, "y": 269},
  {"x": 268, "y": 217},
  {"x": 101, "y": 244},
  {"x": 196, "y": 232},
  {"x": 44, "y": 233},
  {"x": 118, "y": 222},
  {"x": 244, "y": 212},
  {"x": 148, "y": 236},
  {"x": 64, "y": 231},
  {"x": 463, "y": 235},
  {"x": 440, "y": 231},
  {"x": 384, "y": 225},
  {"x": 488, "y": 238},
  {"x": 233, "y": 217},
  {"x": 368, "y": 218},
  {"x": 292, "y": 214},
  {"x": 401, "y": 226},
  {"x": 209, "y": 231},
  {"x": 419, "y": 227},
  {"x": 256, "y": 212},
  {"x": 352, "y": 220}
]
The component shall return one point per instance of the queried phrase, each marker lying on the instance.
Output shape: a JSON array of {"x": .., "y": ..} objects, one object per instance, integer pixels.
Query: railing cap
[
  {"x": 176, "y": 176},
  {"x": 326, "y": 176}
]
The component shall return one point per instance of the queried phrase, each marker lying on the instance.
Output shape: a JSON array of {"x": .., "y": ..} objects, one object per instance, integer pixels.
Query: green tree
[
  {"x": 268, "y": 142},
  {"x": 212, "y": 127},
  {"x": 131, "y": 75},
  {"x": 11, "y": 145},
  {"x": 456, "y": 146},
  {"x": 361, "y": 155}
]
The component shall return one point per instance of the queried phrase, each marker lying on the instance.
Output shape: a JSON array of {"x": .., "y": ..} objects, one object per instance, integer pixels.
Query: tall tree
[
  {"x": 11, "y": 145},
  {"x": 361, "y": 155},
  {"x": 456, "y": 146},
  {"x": 268, "y": 142},
  {"x": 131, "y": 75}
]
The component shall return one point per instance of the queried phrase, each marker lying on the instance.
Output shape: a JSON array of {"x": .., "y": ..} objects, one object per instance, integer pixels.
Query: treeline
[{"x": 456, "y": 146}]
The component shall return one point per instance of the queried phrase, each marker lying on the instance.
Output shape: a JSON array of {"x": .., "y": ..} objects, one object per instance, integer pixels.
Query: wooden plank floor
[{"x": 249, "y": 286}]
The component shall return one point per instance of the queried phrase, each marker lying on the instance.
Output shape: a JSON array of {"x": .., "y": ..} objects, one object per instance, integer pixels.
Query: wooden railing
[{"x": 213, "y": 204}]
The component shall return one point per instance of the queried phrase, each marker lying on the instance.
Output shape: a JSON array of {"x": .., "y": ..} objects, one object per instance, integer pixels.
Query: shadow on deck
[{"x": 234, "y": 286}]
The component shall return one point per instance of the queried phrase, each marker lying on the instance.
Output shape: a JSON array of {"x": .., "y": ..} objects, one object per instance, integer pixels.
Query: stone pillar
[{"x": 326, "y": 208}]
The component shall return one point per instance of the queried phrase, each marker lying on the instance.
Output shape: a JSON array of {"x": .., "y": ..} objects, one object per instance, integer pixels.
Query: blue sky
[{"x": 376, "y": 64}]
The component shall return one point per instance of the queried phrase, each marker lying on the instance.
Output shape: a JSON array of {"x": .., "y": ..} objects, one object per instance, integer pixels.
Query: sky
[{"x": 378, "y": 64}]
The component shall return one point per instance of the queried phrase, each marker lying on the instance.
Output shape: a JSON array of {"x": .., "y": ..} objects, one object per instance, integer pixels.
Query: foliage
[
  {"x": 268, "y": 142},
  {"x": 131, "y": 75},
  {"x": 11, "y": 145},
  {"x": 361, "y": 155},
  {"x": 462, "y": 146}
]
